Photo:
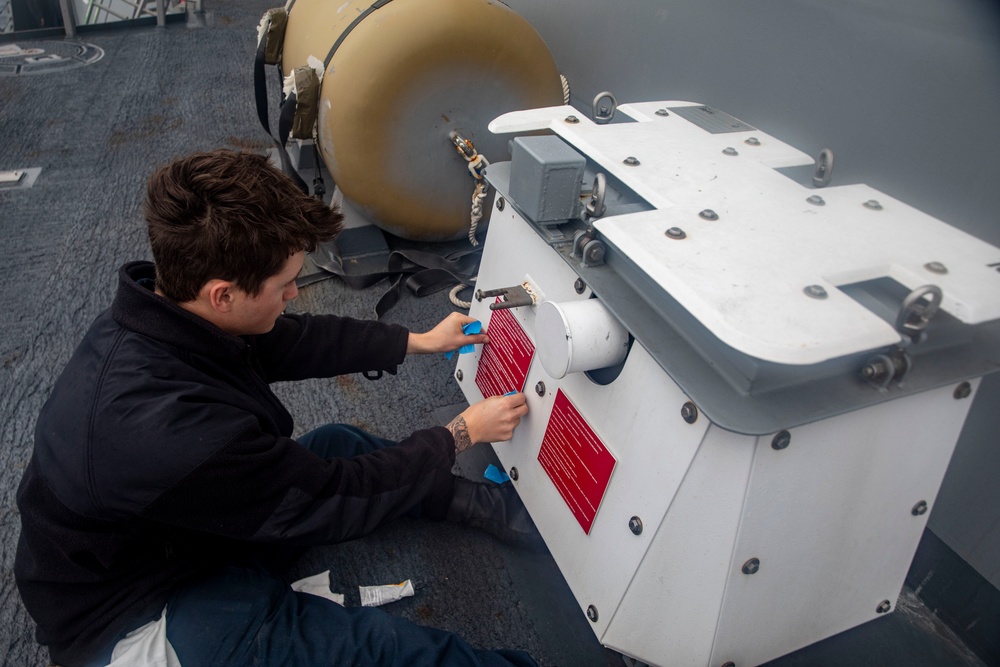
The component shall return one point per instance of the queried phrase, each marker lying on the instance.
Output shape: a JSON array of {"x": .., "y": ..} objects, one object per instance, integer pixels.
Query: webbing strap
[
  {"x": 422, "y": 272},
  {"x": 284, "y": 119},
  {"x": 358, "y": 19}
]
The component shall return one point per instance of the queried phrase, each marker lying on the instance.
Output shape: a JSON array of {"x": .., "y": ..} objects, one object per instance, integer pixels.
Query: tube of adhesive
[{"x": 373, "y": 596}]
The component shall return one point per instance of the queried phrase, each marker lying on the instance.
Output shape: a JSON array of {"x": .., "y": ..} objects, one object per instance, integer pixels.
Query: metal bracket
[
  {"x": 879, "y": 371},
  {"x": 513, "y": 297}
]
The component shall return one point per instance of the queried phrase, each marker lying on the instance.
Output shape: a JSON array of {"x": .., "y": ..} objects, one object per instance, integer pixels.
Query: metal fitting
[{"x": 781, "y": 440}]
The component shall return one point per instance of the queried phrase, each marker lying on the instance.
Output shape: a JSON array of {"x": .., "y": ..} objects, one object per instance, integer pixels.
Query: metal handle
[
  {"x": 604, "y": 114},
  {"x": 915, "y": 314},
  {"x": 824, "y": 168}
]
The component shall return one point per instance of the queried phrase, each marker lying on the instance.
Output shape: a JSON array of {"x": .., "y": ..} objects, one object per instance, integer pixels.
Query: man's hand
[
  {"x": 490, "y": 420},
  {"x": 444, "y": 337}
]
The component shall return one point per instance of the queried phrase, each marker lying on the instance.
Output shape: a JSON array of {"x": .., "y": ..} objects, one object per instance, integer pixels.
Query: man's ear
[{"x": 219, "y": 294}]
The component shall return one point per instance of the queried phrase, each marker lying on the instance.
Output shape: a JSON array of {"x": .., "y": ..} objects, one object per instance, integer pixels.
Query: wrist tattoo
[{"x": 460, "y": 430}]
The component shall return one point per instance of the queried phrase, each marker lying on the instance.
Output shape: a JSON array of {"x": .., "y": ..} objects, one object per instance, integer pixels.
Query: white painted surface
[
  {"x": 637, "y": 417},
  {"x": 743, "y": 275},
  {"x": 830, "y": 519}
]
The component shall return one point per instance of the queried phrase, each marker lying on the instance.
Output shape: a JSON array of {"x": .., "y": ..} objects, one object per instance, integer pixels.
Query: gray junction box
[{"x": 547, "y": 177}]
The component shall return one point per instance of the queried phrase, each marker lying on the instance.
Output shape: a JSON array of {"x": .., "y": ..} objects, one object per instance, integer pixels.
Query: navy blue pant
[{"x": 245, "y": 614}]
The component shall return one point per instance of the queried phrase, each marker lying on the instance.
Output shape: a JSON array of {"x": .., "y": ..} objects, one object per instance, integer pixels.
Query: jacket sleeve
[
  {"x": 266, "y": 489},
  {"x": 310, "y": 346}
]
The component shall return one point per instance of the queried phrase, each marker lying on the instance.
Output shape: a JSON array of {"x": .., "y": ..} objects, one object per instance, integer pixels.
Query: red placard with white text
[
  {"x": 503, "y": 365},
  {"x": 576, "y": 461}
]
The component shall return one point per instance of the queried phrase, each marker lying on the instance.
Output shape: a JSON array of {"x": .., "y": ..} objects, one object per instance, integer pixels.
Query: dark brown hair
[{"x": 230, "y": 216}]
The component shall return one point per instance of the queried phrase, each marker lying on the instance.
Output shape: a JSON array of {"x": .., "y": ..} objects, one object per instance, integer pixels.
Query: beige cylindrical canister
[{"x": 402, "y": 80}]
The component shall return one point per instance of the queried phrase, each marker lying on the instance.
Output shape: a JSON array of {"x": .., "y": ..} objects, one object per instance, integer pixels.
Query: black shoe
[{"x": 496, "y": 509}]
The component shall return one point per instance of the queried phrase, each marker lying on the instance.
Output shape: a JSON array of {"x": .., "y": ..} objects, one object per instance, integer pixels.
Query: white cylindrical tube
[{"x": 578, "y": 336}]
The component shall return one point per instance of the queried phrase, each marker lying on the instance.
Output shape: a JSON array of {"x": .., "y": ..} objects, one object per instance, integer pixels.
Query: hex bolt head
[
  {"x": 752, "y": 141},
  {"x": 675, "y": 233},
  {"x": 631, "y": 161},
  {"x": 458, "y": 375},
  {"x": 540, "y": 388},
  {"x": 936, "y": 267},
  {"x": 729, "y": 150},
  {"x": 592, "y": 613},
  {"x": 816, "y": 200},
  {"x": 963, "y": 390},
  {"x": 635, "y": 525},
  {"x": 513, "y": 474},
  {"x": 815, "y": 291},
  {"x": 873, "y": 204},
  {"x": 781, "y": 440},
  {"x": 500, "y": 203},
  {"x": 689, "y": 411},
  {"x": 662, "y": 112},
  {"x": 579, "y": 285},
  {"x": 883, "y": 607},
  {"x": 751, "y": 566},
  {"x": 709, "y": 214},
  {"x": 572, "y": 119},
  {"x": 919, "y": 509}
]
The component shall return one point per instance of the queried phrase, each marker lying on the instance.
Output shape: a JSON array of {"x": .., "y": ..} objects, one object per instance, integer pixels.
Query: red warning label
[
  {"x": 503, "y": 366},
  {"x": 576, "y": 461}
]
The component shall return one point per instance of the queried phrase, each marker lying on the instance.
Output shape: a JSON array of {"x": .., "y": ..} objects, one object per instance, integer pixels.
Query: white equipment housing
[{"x": 743, "y": 392}]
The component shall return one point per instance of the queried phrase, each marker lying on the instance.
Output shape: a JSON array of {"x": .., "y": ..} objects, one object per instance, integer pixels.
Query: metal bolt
[
  {"x": 816, "y": 200},
  {"x": 883, "y": 607},
  {"x": 815, "y": 291},
  {"x": 936, "y": 267},
  {"x": 689, "y": 411},
  {"x": 662, "y": 112},
  {"x": 919, "y": 509},
  {"x": 751, "y": 566},
  {"x": 458, "y": 375},
  {"x": 592, "y": 613},
  {"x": 963, "y": 391},
  {"x": 729, "y": 150},
  {"x": 675, "y": 233},
  {"x": 572, "y": 119},
  {"x": 752, "y": 141},
  {"x": 635, "y": 525},
  {"x": 540, "y": 388},
  {"x": 781, "y": 440},
  {"x": 579, "y": 285},
  {"x": 729, "y": 664},
  {"x": 709, "y": 214},
  {"x": 595, "y": 253},
  {"x": 513, "y": 474},
  {"x": 500, "y": 203},
  {"x": 631, "y": 161},
  {"x": 873, "y": 205}
]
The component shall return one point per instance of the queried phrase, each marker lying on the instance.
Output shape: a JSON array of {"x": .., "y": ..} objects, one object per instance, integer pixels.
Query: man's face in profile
[{"x": 257, "y": 314}]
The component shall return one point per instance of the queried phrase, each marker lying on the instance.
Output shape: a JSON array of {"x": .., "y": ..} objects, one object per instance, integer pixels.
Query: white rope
[
  {"x": 453, "y": 296},
  {"x": 476, "y": 167},
  {"x": 565, "y": 86}
]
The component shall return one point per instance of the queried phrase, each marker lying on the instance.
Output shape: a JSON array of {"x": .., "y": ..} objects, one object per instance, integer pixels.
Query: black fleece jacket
[{"x": 162, "y": 452}]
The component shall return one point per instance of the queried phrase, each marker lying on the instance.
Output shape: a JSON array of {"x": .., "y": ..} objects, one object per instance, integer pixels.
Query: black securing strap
[
  {"x": 284, "y": 119},
  {"x": 358, "y": 19}
]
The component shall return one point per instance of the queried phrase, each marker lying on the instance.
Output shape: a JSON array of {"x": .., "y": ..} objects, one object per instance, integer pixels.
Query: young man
[{"x": 164, "y": 484}]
